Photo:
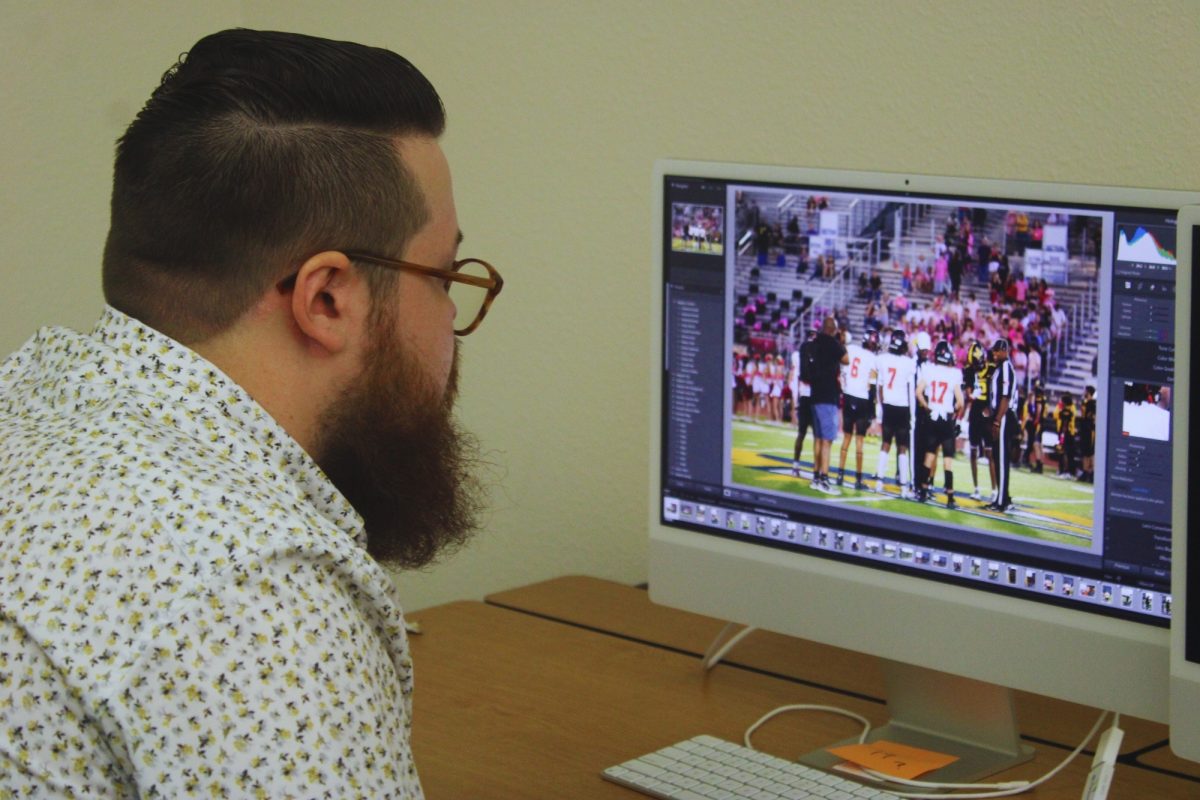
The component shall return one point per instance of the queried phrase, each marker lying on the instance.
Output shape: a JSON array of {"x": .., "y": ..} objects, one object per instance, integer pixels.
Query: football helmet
[
  {"x": 975, "y": 354},
  {"x": 944, "y": 354},
  {"x": 898, "y": 344},
  {"x": 870, "y": 341}
]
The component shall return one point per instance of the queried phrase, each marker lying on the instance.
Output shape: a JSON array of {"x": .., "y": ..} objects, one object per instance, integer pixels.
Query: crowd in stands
[
  {"x": 930, "y": 295},
  {"x": 930, "y": 298},
  {"x": 776, "y": 242}
]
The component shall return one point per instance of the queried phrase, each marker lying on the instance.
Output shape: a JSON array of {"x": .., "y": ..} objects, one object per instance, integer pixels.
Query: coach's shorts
[
  {"x": 825, "y": 421},
  {"x": 804, "y": 411}
]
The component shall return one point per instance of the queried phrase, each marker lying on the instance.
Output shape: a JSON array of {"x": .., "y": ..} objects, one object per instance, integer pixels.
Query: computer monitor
[
  {"x": 1068, "y": 592},
  {"x": 1185, "y": 627}
]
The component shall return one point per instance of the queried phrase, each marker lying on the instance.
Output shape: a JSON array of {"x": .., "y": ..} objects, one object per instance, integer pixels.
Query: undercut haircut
[{"x": 258, "y": 150}]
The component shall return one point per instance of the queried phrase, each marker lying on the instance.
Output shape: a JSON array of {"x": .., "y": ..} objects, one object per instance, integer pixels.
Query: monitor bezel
[
  {"x": 1185, "y": 673},
  {"x": 709, "y": 574}
]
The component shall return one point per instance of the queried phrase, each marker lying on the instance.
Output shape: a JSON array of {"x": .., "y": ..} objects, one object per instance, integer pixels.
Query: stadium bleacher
[{"x": 781, "y": 290}]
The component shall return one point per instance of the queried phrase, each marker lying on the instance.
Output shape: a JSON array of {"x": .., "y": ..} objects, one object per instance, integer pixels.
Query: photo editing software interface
[{"x": 1082, "y": 294}]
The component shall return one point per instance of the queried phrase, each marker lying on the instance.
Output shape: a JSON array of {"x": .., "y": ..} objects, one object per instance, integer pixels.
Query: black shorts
[
  {"x": 804, "y": 410},
  {"x": 939, "y": 433},
  {"x": 1087, "y": 442},
  {"x": 896, "y": 424},
  {"x": 979, "y": 425},
  {"x": 857, "y": 414}
]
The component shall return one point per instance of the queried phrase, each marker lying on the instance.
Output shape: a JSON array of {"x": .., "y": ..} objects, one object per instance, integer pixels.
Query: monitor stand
[{"x": 948, "y": 714}]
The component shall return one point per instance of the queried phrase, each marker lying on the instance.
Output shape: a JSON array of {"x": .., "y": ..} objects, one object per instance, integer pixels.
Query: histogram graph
[{"x": 1149, "y": 244}]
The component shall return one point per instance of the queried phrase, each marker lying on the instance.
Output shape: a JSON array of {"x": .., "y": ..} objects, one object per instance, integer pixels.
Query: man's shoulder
[
  {"x": 831, "y": 344},
  {"x": 129, "y": 465}
]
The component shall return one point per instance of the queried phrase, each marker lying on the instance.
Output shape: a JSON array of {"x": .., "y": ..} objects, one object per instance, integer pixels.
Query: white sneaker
[
  {"x": 879, "y": 486},
  {"x": 975, "y": 495}
]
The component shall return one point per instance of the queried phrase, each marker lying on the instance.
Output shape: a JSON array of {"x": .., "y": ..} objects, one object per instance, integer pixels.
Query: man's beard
[{"x": 391, "y": 446}]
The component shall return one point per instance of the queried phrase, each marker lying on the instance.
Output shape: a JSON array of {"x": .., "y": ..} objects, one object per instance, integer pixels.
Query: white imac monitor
[
  {"x": 1067, "y": 592},
  {"x": 1185, "y": 628}
]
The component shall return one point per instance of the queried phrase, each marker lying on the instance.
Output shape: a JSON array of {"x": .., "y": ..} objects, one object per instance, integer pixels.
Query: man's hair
[{"x": 257, "y": 150}]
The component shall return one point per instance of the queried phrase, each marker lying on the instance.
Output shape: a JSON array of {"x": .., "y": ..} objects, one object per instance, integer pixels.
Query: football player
[
  {"x": 858, "y": 406},
  {"x": 940, "y": 396},
  {"x": 1035, "y": 412},
  {"x": 922, "y": 344},
  {"x": 1086, "y": 426},
  {"x": 894, "y": 371},
  {"x": 976, "y": 378}
]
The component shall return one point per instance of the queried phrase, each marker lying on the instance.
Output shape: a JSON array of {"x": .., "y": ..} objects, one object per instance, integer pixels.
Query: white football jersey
[
  {"x": 940, "y": 382},
  {"x": 894, "y": 377},
  {"x": 858, "y": 372}
]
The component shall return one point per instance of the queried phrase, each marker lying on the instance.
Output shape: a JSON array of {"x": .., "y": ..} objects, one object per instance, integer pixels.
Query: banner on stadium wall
[
  {"x": 1051, "y": 262},
  {"x": 1054, "y": 254},
  {"x": 825, "y": 242}
]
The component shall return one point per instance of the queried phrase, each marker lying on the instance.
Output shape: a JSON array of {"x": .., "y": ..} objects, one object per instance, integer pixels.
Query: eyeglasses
[{"x": 471, "y": 283}]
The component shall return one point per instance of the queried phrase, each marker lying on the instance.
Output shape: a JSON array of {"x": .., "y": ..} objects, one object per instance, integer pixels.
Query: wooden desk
[{"x": 533, "y": 693}]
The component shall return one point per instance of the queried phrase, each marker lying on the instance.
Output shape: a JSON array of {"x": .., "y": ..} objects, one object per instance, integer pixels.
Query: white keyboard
[{"x": 706, "y": 768}]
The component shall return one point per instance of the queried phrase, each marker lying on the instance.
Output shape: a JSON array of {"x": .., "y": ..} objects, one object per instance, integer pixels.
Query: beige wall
[{"x": 557, "y": 112}]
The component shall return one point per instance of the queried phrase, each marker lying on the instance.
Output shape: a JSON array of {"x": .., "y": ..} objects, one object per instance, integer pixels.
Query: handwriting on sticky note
[{"x": 894, "y": 759}]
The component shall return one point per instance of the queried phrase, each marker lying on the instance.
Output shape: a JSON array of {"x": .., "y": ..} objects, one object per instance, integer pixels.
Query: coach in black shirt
[{"x": 828, "y": 355}]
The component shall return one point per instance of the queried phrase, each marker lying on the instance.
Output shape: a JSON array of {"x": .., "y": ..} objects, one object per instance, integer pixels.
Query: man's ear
[{"x": 330, "y": 301}]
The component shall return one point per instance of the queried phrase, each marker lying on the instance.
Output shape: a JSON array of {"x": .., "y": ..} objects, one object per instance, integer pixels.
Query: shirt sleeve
[{"x": 276, "y": 680}]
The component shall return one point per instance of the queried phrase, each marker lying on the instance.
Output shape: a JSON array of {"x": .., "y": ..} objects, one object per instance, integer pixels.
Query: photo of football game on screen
[
  {"x": 915, "y": 359},
  {"x": 698, "y": 229}
]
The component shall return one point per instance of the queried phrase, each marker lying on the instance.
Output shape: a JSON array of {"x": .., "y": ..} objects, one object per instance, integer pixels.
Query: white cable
[
  {"x": 1027, "y": 787},
  {"x": 828, "y": 709},
  {"x": 1014, "y": 787},
  {"x": 716, "y": 651},
  {"x": 883, "y": 777},
  {"x": 1006, "y": 789},
  {"x": 862, "y": 738}
]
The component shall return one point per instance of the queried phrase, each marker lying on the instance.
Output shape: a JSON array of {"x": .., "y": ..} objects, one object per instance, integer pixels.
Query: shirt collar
[{"x": 194, "y": 393}]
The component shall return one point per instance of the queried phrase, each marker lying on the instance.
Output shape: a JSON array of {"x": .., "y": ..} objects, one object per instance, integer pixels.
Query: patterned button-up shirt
[{"x": 187, "y": 608}]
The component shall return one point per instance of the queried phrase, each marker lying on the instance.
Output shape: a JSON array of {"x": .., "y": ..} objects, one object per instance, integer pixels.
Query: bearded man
[{"x": 195, "y": 497}]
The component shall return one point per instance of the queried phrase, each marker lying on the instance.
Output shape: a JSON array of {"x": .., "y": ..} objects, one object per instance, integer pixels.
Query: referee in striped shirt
[{"x": 1003, "y": 400}]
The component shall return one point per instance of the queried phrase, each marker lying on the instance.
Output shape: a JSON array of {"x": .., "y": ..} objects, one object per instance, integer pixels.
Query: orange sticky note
[{"x": 892, "y": 758}]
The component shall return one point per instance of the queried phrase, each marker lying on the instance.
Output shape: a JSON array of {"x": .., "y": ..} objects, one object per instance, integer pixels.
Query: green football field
[
  {"x": 688, "y": 246},
  {"x": 1046, "y": 508}
]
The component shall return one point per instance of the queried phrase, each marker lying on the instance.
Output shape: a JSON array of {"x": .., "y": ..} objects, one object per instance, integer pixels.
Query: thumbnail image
[
  {"x": 1146, "y": 412},
  {"x": 698, "y": 229}
]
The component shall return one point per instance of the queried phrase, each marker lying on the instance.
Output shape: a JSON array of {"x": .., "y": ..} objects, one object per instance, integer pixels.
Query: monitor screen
[{"x": 915, "y": 526}]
